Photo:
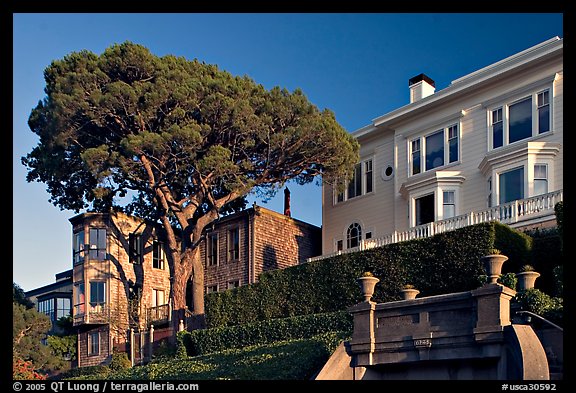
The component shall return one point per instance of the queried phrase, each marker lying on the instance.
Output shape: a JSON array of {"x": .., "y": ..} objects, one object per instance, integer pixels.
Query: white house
[{"x": 487, "y": 147}]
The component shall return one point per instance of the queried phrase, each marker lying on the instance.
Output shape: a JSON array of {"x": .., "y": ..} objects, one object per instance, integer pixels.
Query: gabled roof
[{"x": 540, "y": 52}]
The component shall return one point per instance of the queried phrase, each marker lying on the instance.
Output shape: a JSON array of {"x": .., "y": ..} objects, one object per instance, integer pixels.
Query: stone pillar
[
  {"x": 493, "y": 311},
  {"x": 362, "y": 343}
]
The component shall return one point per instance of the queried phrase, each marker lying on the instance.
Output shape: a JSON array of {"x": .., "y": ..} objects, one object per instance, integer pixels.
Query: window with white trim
[
  {"x": 354, "y": 235},
  {"x": 424, "y": 209},
  {"x": 157, "y": 255},
  {"x": 158, "y": 297},
  {"x": 434, "y": 150},
  {"x": 448, "y": 204},
  {"x": 489, "y": 187},
  {"x": 540, "y": 179},
  {"x": 361, "y": 183},
  {"x": 212, "y": 288},
  {"x": 520, "y": 119},
  {"x": 511, "y": 185}
]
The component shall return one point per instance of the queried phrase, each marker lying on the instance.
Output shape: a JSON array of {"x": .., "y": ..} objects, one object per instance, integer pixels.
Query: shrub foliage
[
  {"x": 447, "y": 262},
  {"x": 199, "y": 342}
]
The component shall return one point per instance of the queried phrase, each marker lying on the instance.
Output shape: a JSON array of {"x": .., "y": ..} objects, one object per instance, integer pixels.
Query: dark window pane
[
  {"x": 497, "y": 135},
  {"x": 453, "y": 149},
  {"x": 511, "y": 185},
  {"x": 415, "y": 164},
  {"x": 543, "y": 119},
  {"x": 520, "y": 120},
  {"x": 435, "y": 150},
  {"x": 425, "y": 209}
]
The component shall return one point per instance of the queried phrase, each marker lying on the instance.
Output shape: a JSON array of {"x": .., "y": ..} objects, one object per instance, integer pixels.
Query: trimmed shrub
[
  {"x": 199, "y": 342},
  {"x": 546, "y": 255},
  {"x": 444, "y": 263},
  {"x": 536, "y": 301},
  {"x": 515, "y": 244}
]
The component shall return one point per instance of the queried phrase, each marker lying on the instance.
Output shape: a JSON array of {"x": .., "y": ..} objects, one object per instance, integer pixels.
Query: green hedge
[
  {"x": 444, "y": 263},
  {"x": 546, "y": 256},
  {"x": 283, "y": 360},
  {"x": 199, "y": 342}
]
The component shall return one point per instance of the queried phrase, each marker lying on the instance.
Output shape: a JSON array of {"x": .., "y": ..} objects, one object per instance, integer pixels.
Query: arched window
[{"x": 354, "y": 235}]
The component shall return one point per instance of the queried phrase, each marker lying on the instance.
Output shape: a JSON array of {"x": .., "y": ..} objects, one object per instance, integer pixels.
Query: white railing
[{"x": 510, "y": 213}]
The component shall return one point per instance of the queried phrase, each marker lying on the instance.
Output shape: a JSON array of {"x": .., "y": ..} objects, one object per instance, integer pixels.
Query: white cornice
[
  {"x": 514, "y": 153},
  {"x": 426, "y": 179},
  {"x": 530, "y": 55}
]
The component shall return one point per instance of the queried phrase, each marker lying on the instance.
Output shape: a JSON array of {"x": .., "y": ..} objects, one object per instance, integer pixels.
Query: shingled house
[{"x": 121, "y": 278}]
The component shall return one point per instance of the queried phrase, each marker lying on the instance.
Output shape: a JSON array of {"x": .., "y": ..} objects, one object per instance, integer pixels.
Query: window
[
  {"x": 79, "y": 298},
  {"x": 78, "y": 247},
  {"x": 434, "y": 150},
  {"x": 158, "y": 297},
  {"x": 368, "y": 235},
  {"x": 354, "y": 235},
  {"x": 497, "y": 128},
  {"x": 540, "y": 179},
  {"x": 93, "y": 343},
  {"x": 157, "y": 255},
  {"x": 234, "y": 244},
  {"x": 355, "y": 185},
  {"x": 368, "y": 176},
  {"x": 416, "y": 156},
  {"x": 449, "y": 204},
  {"x": 424, "y": 209},
  {"x": 521, "y": 119},
  {"x": 212, "y": 288},
  {"x": 62, "y": 307},
  {"x": 511, "y": 185},
  {"x": 97, "y": 244},
  {"x": 233, "y": 284},
  {"x": 490, "y": 192},
  {"x": 97, "y": 295},
  {"x": 339, "y": 245},
  {"x": 543, "y": 111},
  {"x": 361, "y": 183},
  {"x": 136, "y": 248},
  {"x": 212, "y": 249},
  {"x": 47, "y": 307},
  {"x": 452, "y": 144}
]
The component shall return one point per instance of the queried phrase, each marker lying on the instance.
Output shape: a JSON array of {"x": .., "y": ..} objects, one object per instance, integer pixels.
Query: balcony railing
[
  {"x": 158, "y": 315},
  {"x": 97, "y": 314},
  {"x": 512, "y": 213}
]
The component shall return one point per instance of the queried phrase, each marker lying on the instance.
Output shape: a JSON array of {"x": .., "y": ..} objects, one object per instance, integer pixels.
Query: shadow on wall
[
  {"x": 308, "y": 248},
  {"x": 270, "y": 258}
]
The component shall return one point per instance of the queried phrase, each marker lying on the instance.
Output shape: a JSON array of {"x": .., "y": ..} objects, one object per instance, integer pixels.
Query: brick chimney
[
  {"x": 287, "y": 202},
  {"x": 421, "y": 86}
]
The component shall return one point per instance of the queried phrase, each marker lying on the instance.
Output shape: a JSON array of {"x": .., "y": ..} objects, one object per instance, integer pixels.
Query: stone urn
[
  {"x": 409, "y": 293},
  {"x": 526, "y": 278},
  {"x": 367, "y": 283},
  {"x": 493, "y": 265}
]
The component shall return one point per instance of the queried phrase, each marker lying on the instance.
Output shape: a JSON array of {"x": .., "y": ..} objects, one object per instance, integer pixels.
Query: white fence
[{"x": 509, "y": 213}]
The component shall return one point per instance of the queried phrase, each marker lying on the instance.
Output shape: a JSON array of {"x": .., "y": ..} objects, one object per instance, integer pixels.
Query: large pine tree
[{"x": 185, "y": 139}]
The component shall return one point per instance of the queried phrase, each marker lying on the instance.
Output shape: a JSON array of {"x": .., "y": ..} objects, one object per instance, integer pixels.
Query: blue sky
[{"x": 357, "y": 65}]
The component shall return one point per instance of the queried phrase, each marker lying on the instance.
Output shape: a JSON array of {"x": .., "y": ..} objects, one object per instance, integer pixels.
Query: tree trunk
[{"x": 190, "y": 266}]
